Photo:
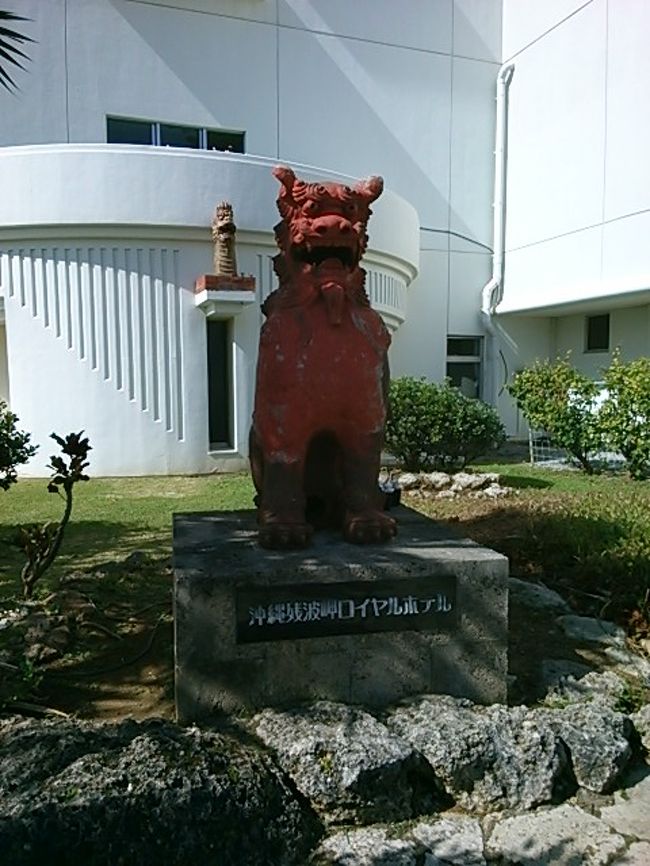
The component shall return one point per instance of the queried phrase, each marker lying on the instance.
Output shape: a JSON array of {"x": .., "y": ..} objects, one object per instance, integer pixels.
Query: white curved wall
[{"x": 99, "y": 250}]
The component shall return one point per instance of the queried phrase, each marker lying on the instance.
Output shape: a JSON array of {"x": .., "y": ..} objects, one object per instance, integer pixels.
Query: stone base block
[{"x": 425, "y": 613}]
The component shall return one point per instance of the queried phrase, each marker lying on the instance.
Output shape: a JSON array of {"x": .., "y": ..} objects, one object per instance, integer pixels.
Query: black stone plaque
[{"x": 289, "y": 612}]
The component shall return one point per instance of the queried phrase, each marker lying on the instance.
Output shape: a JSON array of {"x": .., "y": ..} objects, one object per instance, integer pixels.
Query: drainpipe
[{"x": 491, "y": 294}]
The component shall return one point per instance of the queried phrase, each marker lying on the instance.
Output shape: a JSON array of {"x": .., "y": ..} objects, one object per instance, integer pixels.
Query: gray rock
[
  {"x": 602, "y": 687},
  {"x": 488, "y": 758},
  {"x": 435, "y": 480},
  {"x": 629, "y": 663},
  {"x": 586, "y": 629},
  {"x": 369, "y": 846},
  {"x": 473, "y": 480},
  {"x": 493, "y": 491},
  {"x": 146, "y": 793},
  {"x": 641, "y": 721},
  {"x": 556, "y": 674},
  {"x": 456, "y": 840},
  {"x": 564, "y": 836},
  {"x": 536, "y": 596},
  {"x": 598, "y": 740},
  {"x": 630, "y": 813},
  {"x": 450, "y": 841},
  {"x": 349, "y": 765},
  {"x": 638, "y": 854},
  {"x": 408, "y": 481}
]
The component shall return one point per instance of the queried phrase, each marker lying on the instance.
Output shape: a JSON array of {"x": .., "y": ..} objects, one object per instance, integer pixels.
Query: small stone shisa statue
[{"x": 223, "y": 235}]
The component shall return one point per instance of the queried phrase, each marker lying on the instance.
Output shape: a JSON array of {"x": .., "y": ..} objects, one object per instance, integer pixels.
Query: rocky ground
[{"x": 561, "y": 780}]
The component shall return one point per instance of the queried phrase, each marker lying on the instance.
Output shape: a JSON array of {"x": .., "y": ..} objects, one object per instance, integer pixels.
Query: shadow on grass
[
  {"x": 86, "y": 545},
  {"x": 118, "y": 608},
  {"x": 524, "y": 481},
  {"x": 605, "y": 556}
]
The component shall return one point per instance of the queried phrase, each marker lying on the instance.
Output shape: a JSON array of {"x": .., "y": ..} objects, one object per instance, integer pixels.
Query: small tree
[
  {"x": 41, "y": 542},
  {"x": 434, "y": 426},
  {"x": 562, "y": 401},
  {"x": 14, "y": 447},
  {"x": 625, "y": 413}
]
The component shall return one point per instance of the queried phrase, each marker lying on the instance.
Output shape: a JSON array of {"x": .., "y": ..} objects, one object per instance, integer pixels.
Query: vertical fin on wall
[
  {"x": 67, "y": 297},
  {"x": 139, "y": 301},
  {"x": 117, "y": 309},
  {"x": 128, "y": 325},
  {"x": 56, "y": 290},
  {"x": 78, "y": 299},
  {"x": 166, "y": 314},
  {"x": 104, "y": 315},
  {"x": 91, "y": 285},
  {"x": 178, "y": 354},
  {"x": 151, "y": 298},
  {"x": 30, "y": 281},
  {"x": 46, "y": 282},
  {"x": 115, "y": 290}
]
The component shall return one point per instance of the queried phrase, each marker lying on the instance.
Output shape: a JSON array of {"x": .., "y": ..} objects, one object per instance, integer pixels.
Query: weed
[{"x": 630, "y": 699}]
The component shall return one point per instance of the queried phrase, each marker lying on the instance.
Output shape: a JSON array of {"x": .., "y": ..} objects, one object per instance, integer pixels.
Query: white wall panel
[
  {"x": 527, "y": 20},
  {"x": 420, "y": 345},
  {"x": 36, "y": 112},
  {"x": 252, "y": 10},
  {"x": 472, "y": 157},
  {"x": 423, "y": 24},
  {"x": 468, "y": 273},
  {"x": 554, "y": 272},
  {"x": 221, "y": 73},
  {"x": 477, "y": 29},
  {"x": 556, "y": 135},
  {"x": 628, "y": 120},
  {"x": 630, "y": 329},
  {"x": 626, "y": 253},
  {"x": 393, "y": 119},
  {"x": 569, "y": 337}
]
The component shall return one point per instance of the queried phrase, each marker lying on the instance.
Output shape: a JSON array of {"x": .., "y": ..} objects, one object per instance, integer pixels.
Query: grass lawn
[
  {"x": 111, "y": 517},
  {"x": 588, "y": 537}
]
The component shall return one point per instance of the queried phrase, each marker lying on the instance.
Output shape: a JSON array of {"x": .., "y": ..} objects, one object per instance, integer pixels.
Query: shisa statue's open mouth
[{"x": 317, "y": 254}]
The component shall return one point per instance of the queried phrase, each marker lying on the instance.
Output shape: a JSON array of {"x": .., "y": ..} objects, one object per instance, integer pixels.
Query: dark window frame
[
  {"x": 221, "y": 408},
  {"x": 455, "y": 356},
  {"x": 597, "y": 333},
  {"x": 234, "y": 139}
]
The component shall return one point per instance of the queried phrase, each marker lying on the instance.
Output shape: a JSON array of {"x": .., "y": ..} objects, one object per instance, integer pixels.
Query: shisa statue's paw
[
  {"x": 285, "y": 535},
  {"x": 368, "y": 527}
]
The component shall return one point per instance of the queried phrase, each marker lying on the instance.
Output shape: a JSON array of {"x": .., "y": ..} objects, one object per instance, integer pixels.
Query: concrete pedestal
[{"x": 426, "y": 612}]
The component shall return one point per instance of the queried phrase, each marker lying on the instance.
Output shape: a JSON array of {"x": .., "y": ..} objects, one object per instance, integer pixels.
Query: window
[
  {"x": 464, "y": 364},
  {"x": 121, "y": 130},
  {"x": 179, "y": 136},
  {"x": 597, "y": 333},
  {"x": 219, "y": 139},
  {"x": 219, "y": 389}
]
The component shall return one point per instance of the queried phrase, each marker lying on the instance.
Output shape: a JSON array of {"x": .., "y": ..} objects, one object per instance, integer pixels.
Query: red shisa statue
[{"x": 322, "y": 374}]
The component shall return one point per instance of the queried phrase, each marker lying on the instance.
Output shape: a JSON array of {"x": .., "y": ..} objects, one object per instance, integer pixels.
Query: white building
[{"x": 111, "y": 164}]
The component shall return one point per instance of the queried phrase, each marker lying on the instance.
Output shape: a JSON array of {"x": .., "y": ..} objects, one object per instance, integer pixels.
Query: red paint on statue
[{"x": 322, "y": 375}]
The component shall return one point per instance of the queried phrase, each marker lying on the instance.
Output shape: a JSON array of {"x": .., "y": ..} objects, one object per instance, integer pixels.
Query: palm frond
[{"x": 10, "y": 52}]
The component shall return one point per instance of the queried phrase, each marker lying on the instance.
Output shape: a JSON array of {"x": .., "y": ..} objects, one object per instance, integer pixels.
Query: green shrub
[
  {"x": 595, "y": 544},
  {"x": 562, "y": 401},
  {"x": 14, "y": 447},
  {"x": 625, "y": 415},
  {"x": 434, "y": 426}
]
